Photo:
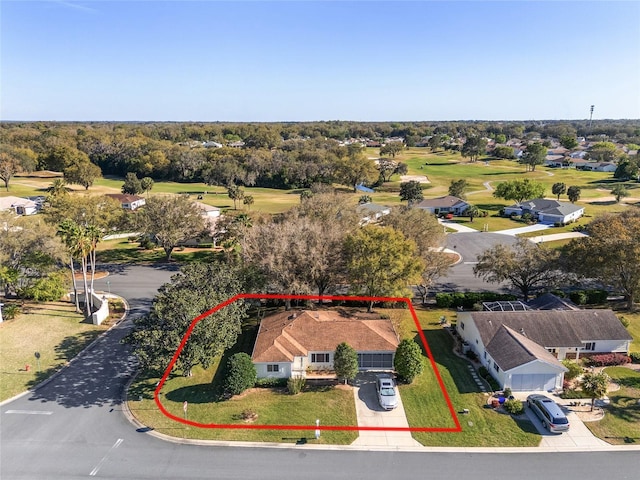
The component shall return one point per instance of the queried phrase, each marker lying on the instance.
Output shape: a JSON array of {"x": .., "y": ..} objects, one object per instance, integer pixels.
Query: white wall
[{"x": 284, "y": 370}]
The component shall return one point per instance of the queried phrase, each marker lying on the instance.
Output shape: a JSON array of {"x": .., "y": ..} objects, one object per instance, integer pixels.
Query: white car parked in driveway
[
  {"x": 549, "y": 413},
  {"x": 387, "y": 393}
]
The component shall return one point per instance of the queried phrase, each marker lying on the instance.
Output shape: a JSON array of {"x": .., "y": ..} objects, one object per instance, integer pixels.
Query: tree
[
  {"x": 240, "y": 374},
  {"x": 392, "y": 148},
  {"x": 569, "y": 141},
  {"x": 58, "y": 188},
  {"x": 472, "y": 211},
  {"x": 104, "y": 212},
  {"x": 610, "y": 253},
  {"x": 364, "y": 199},
  {"x": 82, "y": 172},
  {"x": 595, "y": 385},
  {"x": 408, "y": 361},
  {"x": 235, "y": 193},
  {"x": 619, "y": 191},
  {"x": 526, "y": 265},
  {"x": 519, "y": 190},
  {"x": 534, "y": 155},
  {"x": 248, "y": 201},
  {"x": 435, "y": 142},
  {"x": 604, "y": 152},
  {"x": 170, "y": 221},
  {"x": 132, "y": 185},
  {"x": 502, "y": 151},
  {"x": 387, "y": 168},
  {"x": 381, "y": 262},
  {"x": 345, "y": 362},
  {"x": 411, "y": 192},
  {"x": 423, "y": 228},
  {"x": 473, "y": 147},
  {"x": 559, "y": 189},
  {"x": 13, "y": 161},
  {"x": 573, "y": 193},
  {"x": 458, "y": 188},
  {"x": 147, "y": 184},
  {"x": 628, "y": 169},
  {"x": 356, "y": 169},
  {"x": 197, "y": 288}
]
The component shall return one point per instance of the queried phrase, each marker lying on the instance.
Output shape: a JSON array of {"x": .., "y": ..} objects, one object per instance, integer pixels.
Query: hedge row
[
  {"x": 484, "y": 373},
  {"x": 589, "y": 297},
  {"x": 469, "y": 299},
  {"x": 609, "y": 359}
]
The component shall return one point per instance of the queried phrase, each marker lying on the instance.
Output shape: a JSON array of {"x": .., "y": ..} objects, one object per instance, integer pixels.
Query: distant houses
[
  {"x": 128, "y": 202},
  {"x": 19, "y": 206}
]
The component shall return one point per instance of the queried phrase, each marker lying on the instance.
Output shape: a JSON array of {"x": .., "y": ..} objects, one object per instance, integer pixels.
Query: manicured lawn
[
  {"x": 123, "y": 251},
  {"x": 633, "y": 328},
  {"x": 621, "y": 423},
  {"x": 333, "y": 406},
  {"x": 425, "y": 405},
  {"x": 54, "y": 330}
]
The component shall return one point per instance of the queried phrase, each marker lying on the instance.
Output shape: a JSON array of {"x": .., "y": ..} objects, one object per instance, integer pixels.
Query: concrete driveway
[
  {"x": 370, "y": 414},
  {"x": 578, "y": 436}
]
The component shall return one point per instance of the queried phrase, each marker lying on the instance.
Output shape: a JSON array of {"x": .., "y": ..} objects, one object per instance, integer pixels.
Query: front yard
[{"x": 621, "y": 422}]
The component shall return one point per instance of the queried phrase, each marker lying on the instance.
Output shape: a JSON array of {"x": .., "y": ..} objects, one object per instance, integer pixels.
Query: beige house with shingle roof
[
  {"x": 290, "y": 344},
  {"x": 523, "y": 349}
]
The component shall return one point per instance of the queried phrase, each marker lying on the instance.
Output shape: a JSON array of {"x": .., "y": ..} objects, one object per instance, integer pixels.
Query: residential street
[{"x": 73, "y": 427}]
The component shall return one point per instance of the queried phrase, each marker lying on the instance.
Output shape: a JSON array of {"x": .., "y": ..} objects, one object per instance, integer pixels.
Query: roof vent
[{"x": 522, "y": 332}]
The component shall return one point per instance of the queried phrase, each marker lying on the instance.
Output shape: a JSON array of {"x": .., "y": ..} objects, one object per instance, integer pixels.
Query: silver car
[
  {"x": 387, "y": 394},
  {"x": 548, "y": 412}
]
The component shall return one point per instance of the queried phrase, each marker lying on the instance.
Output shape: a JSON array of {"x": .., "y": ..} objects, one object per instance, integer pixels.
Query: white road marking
[
  {"x": 104, "y": 459},
  {"x": 29, "y": 412},
  {"x": 470, "y": 263}
]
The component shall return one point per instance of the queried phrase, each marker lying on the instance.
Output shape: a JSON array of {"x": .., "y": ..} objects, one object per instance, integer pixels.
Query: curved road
[{"x": 73, "y": 427}]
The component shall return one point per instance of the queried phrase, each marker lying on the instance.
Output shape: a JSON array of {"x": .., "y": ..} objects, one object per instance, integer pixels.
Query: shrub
[
  {"x": 9, "y": 312},
  {"x": 271, "y": 382},
  {"x": 408, "y": 360},
  {"x": 609, "y": 359},
  {"x": 444, "y": 300},
  {"x": 471, "y": 355},
  {"x": 507, "y": 392},
  {"x": 635, "y": 357},
  {"x": 575, "y": 370},
  {"x": 483, "y": 372},
  {"x": 625, "y": 322},
  {"x": 240, "y": 374},
  {"x": 295, "y": 385},
  {"x": 578, "y": 297},
  {"x": 345, "y": 362},
  {"x": 514, "y": 407},
  {"x": 596, "y": 297}
]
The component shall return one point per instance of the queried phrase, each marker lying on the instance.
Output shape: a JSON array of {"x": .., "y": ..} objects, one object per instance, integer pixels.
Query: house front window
[
  {"x": 273, "y": 368},
  {"x": 590, "y": 346},
  {"x": 319, "y": 358},
  {"x": 496, "y": 367}
]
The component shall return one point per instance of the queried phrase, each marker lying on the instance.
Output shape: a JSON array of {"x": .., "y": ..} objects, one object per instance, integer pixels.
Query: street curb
[{"x": 58, "y": 372}]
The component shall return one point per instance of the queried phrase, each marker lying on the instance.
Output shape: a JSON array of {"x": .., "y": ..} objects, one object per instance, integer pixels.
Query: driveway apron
[{"x": 370, "y": 414}]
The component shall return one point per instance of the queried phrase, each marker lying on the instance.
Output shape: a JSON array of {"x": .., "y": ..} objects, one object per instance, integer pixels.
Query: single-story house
[
  {"x": 523, "y": 349},
  {"x": 293, "y": 343},
  {"x": 549, "y": 301},
  {"x": 128, "y": 202},
  {"x": 20, "y": 206},
  {"x": 208, "y": 211},
  {"x": 443, "y": 205},
  {"x": 547, "y": 211},
  {"x": 555, "y": 161},
  {"x": 371, "y": 212}
]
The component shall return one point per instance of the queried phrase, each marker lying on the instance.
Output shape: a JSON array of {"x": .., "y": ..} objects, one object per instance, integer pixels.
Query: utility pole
[{"x": 590, "y": 117}]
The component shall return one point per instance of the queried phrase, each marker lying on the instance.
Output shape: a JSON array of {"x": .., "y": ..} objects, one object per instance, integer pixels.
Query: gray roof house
[
  {"x": 547, "y": 211},
  {"x": 523, "y": 349},
  {"x": 442, "y": 205},
  {"x": 371, "y": 212}
]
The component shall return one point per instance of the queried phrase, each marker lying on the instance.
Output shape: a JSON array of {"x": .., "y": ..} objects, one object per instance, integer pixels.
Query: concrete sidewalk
[
  {"x": 557, "y": 236},
  {"x": 456, "y": 226},
  {"x": 530, "y": 228},
  {"x": 370, "y": 414}
]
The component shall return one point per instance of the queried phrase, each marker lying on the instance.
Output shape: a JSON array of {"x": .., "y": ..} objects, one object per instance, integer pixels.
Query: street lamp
[{"x": 109, "y": 286}]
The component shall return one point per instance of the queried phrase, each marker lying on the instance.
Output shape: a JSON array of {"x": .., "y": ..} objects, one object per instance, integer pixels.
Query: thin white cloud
[{"x": 75, "y": 6}]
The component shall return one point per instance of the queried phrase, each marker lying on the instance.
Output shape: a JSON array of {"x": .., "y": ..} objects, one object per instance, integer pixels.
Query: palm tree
[
  {"x": 58, "y": 188},
  {"x": 94, "y": 235},
  {"x": 69, "y": 231}
]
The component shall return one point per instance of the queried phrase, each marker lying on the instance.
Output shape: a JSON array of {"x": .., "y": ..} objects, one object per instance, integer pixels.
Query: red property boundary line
[{"x": 261, "y": 296}]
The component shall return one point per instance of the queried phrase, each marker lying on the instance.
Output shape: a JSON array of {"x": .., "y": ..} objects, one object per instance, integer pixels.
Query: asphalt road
[
  {"x": 460, "y": 277},
  {"x": 73, "y": 427}
]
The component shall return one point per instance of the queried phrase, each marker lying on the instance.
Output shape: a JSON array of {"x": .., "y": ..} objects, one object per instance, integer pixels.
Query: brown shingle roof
[
  {"x": 285, "y": 335},
  {"x": 440, "y": 202},
  {"x": 511, "y": 349},
  {"x": 553, "y": 328}
]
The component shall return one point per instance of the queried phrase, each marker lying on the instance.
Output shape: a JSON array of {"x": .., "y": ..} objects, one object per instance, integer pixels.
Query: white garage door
[{"x": 533, "y": 381}]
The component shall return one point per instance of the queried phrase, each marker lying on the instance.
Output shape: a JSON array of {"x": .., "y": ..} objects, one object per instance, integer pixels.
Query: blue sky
[{"x": 332, "y": 60}]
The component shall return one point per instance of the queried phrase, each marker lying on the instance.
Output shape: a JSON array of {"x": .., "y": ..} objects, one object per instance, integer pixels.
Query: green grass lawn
[
  {"x": 621, "y": 423},
  {"x": 333, "y": 406},
  {"x": 633, "y": 328},
  {"x": 54, "y": 330},
  {"x": 123, "y": 251},
  {"x": 425, "y": 405}
]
